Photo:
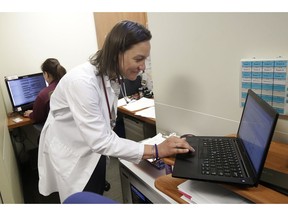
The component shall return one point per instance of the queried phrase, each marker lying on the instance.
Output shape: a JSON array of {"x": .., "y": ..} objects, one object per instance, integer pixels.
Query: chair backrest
[{"x": 86, "y": 197}]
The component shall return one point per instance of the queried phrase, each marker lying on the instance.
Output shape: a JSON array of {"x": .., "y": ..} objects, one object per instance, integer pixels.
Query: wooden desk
[
  {"x": 11, "y": 124},
  {"x": 277, "y": 159},
  {"x": 123, "y": 110}
]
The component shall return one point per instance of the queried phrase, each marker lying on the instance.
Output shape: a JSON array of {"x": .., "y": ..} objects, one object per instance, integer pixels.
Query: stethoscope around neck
[
  {"x": 121, "y": 83},
  {"x": 124, "y": 93},
  {"x": 112, "y": 120}
]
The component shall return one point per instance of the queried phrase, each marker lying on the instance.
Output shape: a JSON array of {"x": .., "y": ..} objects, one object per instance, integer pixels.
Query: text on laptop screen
[
  {"x": 254, "y": 121},
  {"x": 23, "y": 90}
]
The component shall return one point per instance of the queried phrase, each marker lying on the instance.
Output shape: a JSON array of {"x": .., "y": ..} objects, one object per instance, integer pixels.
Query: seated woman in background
[{"x": 53, "y": 71}]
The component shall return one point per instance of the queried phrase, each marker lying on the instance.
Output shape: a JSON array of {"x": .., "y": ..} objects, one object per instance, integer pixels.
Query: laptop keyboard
[{"x": 220, "y": 158}]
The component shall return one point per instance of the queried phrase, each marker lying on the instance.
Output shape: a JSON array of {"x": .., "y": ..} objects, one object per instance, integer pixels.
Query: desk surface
[
  {"x": 277, "y": 159},
  {"x": 123, "y": 110},
  {"x": 12, "y": 124},
  {"x": 27, "y": 121}
]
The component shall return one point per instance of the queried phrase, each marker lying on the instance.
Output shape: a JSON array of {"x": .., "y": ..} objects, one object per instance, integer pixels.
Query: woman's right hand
[
  {"x": 27, "y": 113},
  {"x": 172, "y": 146}
]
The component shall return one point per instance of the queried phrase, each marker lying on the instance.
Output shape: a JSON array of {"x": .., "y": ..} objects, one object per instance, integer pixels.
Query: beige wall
[
  {"x": 196, "y": 67},
  {"x": 10, "y": 186},
  {"x": 27, "y": 39}
]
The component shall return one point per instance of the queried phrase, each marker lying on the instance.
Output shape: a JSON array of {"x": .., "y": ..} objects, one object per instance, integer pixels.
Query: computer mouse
[{"x": 186, "y": 135}]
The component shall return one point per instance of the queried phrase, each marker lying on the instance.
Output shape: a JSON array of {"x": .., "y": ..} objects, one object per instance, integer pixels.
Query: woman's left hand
[{"x": 27, "y": 113}]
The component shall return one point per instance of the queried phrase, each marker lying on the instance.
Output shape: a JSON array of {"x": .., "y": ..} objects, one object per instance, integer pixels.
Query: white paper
[
  {"x": 148, "y": 112},
  {"x": 121, "y": 102},
  {"x": 139, "y": 104},
  {"x": 157, "y": 139},
  {"x": 16, "y": 120},
  {"x": 206, "y": 192}
]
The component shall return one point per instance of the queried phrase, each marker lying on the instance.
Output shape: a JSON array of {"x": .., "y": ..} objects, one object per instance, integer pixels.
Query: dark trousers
[{"x": 96, "y": 182}]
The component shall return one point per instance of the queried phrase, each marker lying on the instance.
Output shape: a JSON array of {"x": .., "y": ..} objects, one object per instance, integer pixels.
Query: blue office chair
[{"x": 86, "y": 197}]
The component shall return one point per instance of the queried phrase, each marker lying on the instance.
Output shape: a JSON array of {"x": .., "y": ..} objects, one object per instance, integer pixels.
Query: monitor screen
[
  {"x": 257, "y": 128},
  {"x": 23, "y": 90}
]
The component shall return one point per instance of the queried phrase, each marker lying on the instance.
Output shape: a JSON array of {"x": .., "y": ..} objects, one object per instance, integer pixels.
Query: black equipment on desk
[
  {"x": 275, "y": 180},
  {"x": 244, "y": 156},
  {"x": 23, "y": 90}
]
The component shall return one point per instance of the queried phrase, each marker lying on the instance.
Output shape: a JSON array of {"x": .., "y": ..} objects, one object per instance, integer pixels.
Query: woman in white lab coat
[{"x": 78, "y": 135}]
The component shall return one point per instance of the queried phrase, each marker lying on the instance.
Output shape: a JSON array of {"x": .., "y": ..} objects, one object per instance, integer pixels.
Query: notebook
[{"x": 235, "y": 160}]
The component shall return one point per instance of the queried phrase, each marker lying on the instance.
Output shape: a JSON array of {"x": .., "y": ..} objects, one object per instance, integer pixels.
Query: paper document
[
  {"x": 157, "y": 139},
  {"x": 148, "y": 112},
  {"x": 207, "y": 192},
  {"x": 16, "y": 120},
  {"x": 139, "y": 104},
  {"x": 121, "y": 102}
]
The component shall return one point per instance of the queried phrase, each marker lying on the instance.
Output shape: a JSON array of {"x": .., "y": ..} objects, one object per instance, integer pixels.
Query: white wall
[
  {"x": 196, "y": 67},
  {"x": 10, "y": 183},
  {"x": 27, "y": 39},
  {"x": 195, "y": 59}
]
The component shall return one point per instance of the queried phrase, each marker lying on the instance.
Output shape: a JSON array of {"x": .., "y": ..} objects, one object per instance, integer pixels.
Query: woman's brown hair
[
  {"x": 53, "y": 67},
  {"x": 122, "y": 37}
]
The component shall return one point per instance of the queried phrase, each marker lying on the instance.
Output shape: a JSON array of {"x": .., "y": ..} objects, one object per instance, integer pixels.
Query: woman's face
[{"x": 132, "y": 61}]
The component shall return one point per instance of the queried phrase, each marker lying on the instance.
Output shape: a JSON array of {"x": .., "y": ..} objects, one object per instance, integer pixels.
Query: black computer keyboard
[{"x": 220, "y": 158}]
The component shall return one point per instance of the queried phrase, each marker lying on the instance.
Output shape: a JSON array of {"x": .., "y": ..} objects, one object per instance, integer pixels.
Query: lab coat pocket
[{"x": 62, "y": 157}]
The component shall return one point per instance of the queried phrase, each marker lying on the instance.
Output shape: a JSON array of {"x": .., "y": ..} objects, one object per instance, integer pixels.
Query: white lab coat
[{"x": 77, "y": 131}]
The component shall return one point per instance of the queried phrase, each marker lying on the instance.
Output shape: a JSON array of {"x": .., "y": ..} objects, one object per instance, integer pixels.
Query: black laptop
[{"x": 235, "y": 160}]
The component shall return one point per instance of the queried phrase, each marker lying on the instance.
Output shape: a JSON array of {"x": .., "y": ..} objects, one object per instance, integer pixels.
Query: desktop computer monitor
[{"x": 23, "y": 90}]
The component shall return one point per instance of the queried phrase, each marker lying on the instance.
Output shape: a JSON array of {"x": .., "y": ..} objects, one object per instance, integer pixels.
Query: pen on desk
[{"x": 126, "y": 100}]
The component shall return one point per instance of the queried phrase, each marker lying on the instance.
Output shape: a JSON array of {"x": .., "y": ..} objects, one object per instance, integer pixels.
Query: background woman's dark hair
[
  {"x": 53, "y": 67},
  {"x": 122, "y": 37}
]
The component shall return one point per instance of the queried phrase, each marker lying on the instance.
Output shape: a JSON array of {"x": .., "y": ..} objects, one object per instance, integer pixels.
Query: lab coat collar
[
  {"x": 107, "y": 81},
  {"x": 108, "y": 85}
]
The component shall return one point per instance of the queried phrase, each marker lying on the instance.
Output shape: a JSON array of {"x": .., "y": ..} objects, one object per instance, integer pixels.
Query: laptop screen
[
  {"x": 23, "y": 90},
  {"x": 256, "y": 128}
]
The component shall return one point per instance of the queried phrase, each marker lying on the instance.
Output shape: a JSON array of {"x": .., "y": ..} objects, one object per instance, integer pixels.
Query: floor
[{"x": 113, "y": 177}]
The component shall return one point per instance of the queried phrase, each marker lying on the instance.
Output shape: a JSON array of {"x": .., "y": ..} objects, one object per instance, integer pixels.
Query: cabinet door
[{"x": 105, "y": 21}]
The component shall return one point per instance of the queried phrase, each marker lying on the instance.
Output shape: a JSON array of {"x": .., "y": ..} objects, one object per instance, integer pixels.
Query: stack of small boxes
[{"x": 268, "y": 79}]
